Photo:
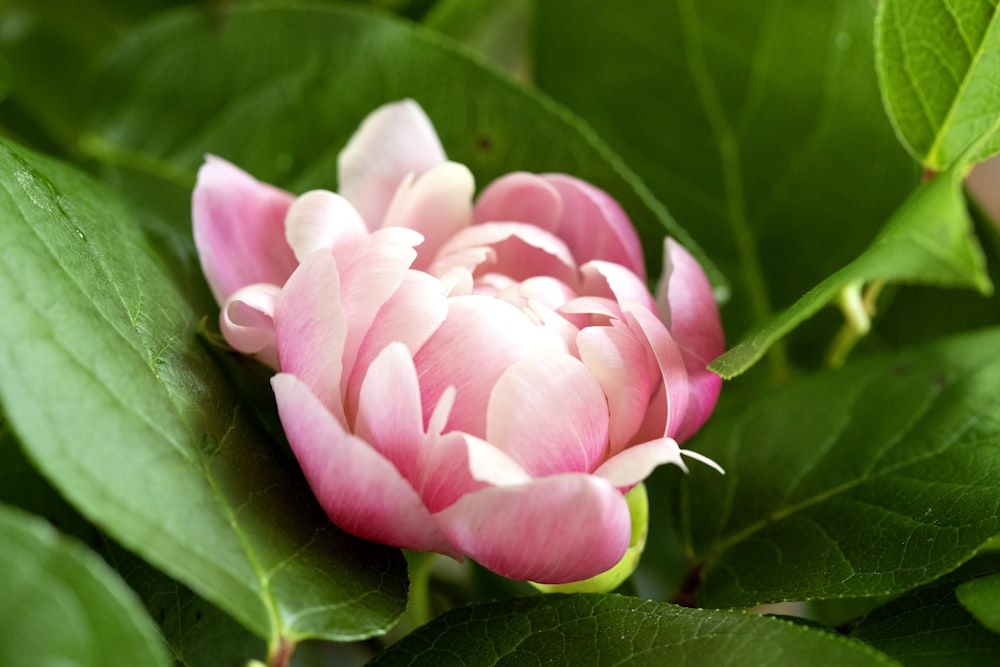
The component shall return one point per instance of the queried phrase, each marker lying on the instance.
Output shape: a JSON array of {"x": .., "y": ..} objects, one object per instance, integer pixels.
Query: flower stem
[{"x": 418, "y": 610}]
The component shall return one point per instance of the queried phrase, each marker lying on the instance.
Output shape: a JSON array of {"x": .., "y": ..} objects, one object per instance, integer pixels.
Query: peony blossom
[{"x": 481, "y": 377}]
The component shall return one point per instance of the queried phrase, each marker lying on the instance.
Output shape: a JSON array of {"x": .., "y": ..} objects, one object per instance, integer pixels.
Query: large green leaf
[
  {"x": 982, "y": 598},
  {"x": 62, "y": 605},
  {"x": 279, "y": 91},
  {"x": 119, "y": 404},
  {"x": 928, "y": 627},
  {"x": 759, "y": 124},
  {"x": 929, "y": 240},
  {"x": 48, "y": 46},
  {"x": 498, "y": 29},
  {"x": 198, "y": 633},
  {"x": 854, "y": 483},
  {"x": 937, "y": 62},
  {"x": 610, "y": 629}
]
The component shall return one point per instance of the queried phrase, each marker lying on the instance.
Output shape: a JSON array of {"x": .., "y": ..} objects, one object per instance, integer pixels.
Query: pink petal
[
  {"x": 247, "y": 321},
  {"x": 603, "y": 307},
  {"x": 456, "y": 464},
  {"x": 478, "y": 340},
  {"x": 410, "y": 316},
  {"x": 619, "y": 362},
  {"x": 375, "y": 273},
  {"x": 394, "y": 140},
  {"x": 437, "y": 204},
  {"x": 542, "y": 297},
  {"x": 311, "y": 328},
  {"x": 631, "y": 466},
  {"x": 488, "y": 463},
  {"x": 548, "y": 412},
  {"x": 326, "y": 309},
  {"x": 686, "y": 301},
  {"x": 520, "y": 197},
  {"x": 389, "y": 416},
  {"x": 518, "y": 250},
  {"x": 562, "y": 325},
  {"x": 361, "y": 491},
  {"x": 602, "y": 278},
  {"x": 548, "y": 291},
  {"x": 439, "y": 417},
  {"x": 447, "y": 472},
  {"x": 458, "y": 266},
  {"x": 323, "y": 219},
  {"x": 239, "y": 229},
  {"x": 553, "y": 530},
  {"x": 671, "y": 364},
  {"x": 594, "y": 226}
]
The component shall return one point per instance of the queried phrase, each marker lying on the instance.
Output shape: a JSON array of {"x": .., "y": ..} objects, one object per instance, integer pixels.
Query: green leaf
[
  {"x": 62, "y": 605},
  {"x": 937, "y": 63},
  {"x": 48, "y": 46},
  {"x": 912, "y": 315},
  {"x": 498, "y": 29},
  {"x": 981, "y": 597},
  {"x": 590, "y": 629},
  {"x": 199, "y": 634},
  {"x": 119, "y": 404},
  {"x": 861, "y": 482},
  {"x": 284, "y": 117},
  {"x": 759, "y": 124},
  {"x": 929, "y": 240},
  {"x": 929, "y": 627}
]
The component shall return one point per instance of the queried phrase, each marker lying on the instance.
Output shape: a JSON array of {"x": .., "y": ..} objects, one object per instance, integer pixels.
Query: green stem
[
  {"x": 418, "y": 610},
  {"x": 858, "y": 308}
]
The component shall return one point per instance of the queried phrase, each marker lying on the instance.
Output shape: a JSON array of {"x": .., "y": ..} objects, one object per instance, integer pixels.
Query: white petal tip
[{"x": 704, "y": 459}]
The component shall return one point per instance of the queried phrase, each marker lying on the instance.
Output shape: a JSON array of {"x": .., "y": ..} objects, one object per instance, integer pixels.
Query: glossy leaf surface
[
  {"x": 602, "y": 630},
  {"x": 854, "y": 483},
  {"x": 120, "y": 405}
]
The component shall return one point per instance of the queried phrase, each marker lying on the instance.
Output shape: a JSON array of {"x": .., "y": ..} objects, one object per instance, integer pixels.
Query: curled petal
[
  {"x": 630, "y": 466},
  {"x": 602, "y": 307},
  {"x": 437, "y": 204},
  {"x": 602, "y": 278},
  {"x": 519, "y": 251},
  {"x": 394, "y": 140},
  {"x": 360, "y": 490},
  {"x": 323, "y": 219},
  {"x": 686, "y": 302},
  {"x": 620, "y": 363},
  {"x": 457, "y": 281},
  {"x": 594, "y": 226},
  {"x": 675, "y": 388},
  {"x": 239, "y": 229},
  {"x": 552, "y": 530},
  {"x": 520, "y": 197},
  {"x": 247, "y": 321},
  {"x": 548, "y": 412},
  {"x": 459, "y": 266}
]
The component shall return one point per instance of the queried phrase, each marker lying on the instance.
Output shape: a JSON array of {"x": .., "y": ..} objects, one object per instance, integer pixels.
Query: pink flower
[{"x": 481, "y": 380}]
